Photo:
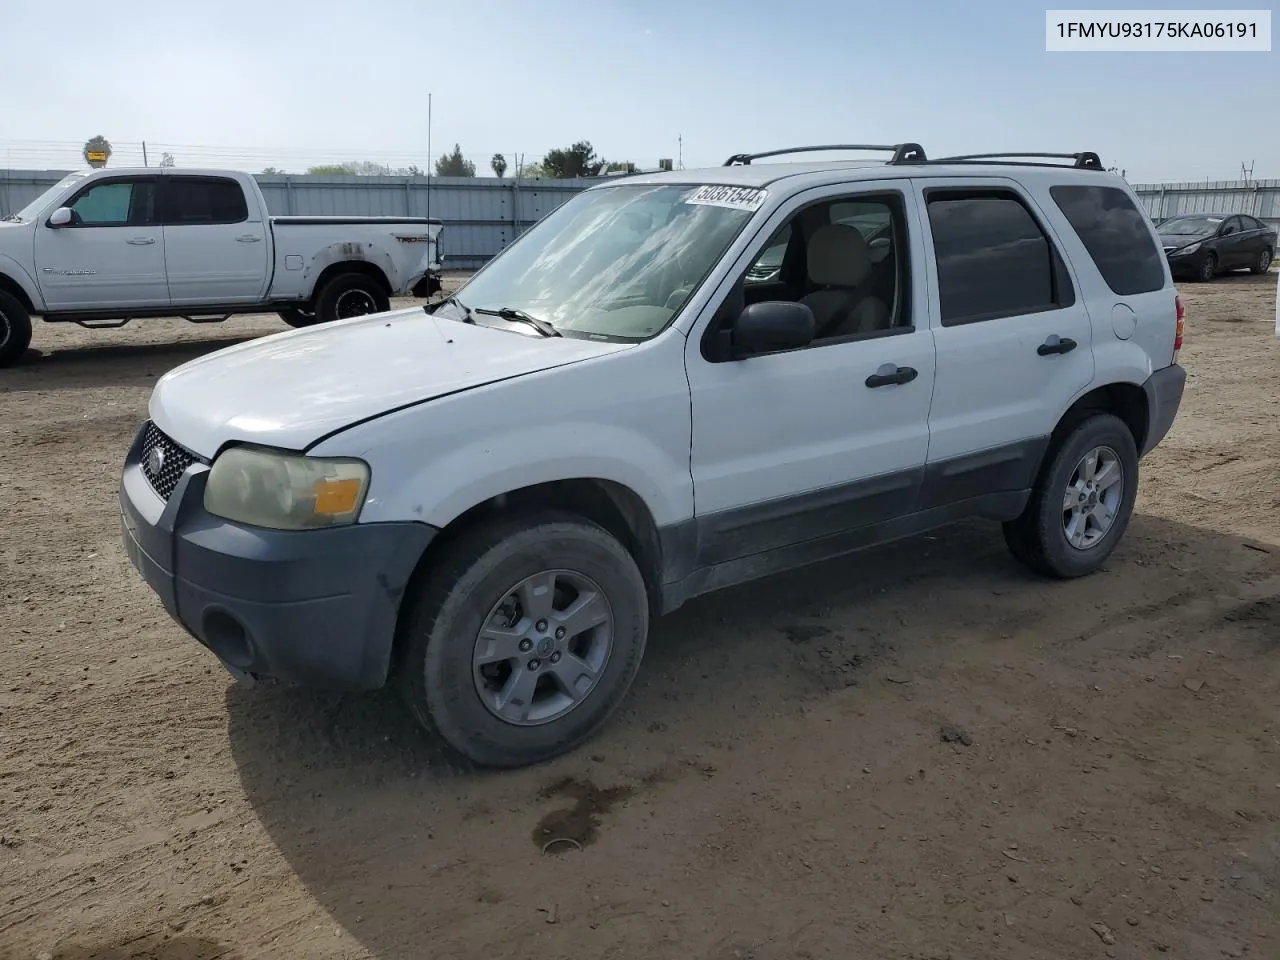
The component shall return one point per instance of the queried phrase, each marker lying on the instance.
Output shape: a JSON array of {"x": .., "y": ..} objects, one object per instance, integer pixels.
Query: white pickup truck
[{"x": 103, "y": 247}]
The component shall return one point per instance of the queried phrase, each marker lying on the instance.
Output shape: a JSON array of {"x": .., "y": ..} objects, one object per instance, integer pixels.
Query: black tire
[
  {"x": 1264, "y": 262},
  {"x": 350, "y": 295},
  {"x": 297, "y": 317},
  {"x": 1037, "y": 538},
  {"x": 1207, "y": 268},
  {"x": 441, "y": 623},
  {"x": 15, "y": 329}
]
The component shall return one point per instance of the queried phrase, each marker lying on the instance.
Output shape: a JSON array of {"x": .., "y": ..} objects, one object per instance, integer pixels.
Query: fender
[
  {"x": 434, "y": 461},
  {"x": 11, "y": 269},
  {"x": 353, "y": 251}
]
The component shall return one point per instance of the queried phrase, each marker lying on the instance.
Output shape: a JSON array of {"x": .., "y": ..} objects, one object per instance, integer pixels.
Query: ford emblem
[{"x": 154, "y": 461}]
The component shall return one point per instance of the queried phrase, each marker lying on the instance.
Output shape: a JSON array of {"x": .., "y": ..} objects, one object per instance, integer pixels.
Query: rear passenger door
[
  {"x": 1014, "y": 340},
  {"x": 215, "y": 247}
]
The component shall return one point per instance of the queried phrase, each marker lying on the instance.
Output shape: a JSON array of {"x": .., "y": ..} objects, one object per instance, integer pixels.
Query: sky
[{"x": 285, "y": 83}]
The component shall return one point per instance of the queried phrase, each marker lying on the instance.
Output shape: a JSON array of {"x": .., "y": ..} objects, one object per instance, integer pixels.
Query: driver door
[
  {"x": 794, "y": 446},
  {"x": 111, "y": 256}
]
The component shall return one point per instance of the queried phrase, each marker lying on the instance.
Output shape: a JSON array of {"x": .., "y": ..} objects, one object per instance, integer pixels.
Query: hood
[
  {"x": 290, "y": 389},
  {"x": 1172, "y": 241}
]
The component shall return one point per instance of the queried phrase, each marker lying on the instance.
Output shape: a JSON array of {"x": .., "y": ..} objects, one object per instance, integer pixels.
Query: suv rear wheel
[
  {"x": 1081, "y": 503},
  {"x": 524, "y": 638}
]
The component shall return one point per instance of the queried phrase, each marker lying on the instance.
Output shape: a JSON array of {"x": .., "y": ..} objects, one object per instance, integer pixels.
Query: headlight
[
  {"x": 285, "y": 491},
  {"x": 1192, "y": 248}
]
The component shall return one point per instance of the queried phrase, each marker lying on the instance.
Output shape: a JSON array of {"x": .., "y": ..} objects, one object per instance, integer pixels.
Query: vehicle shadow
[
  {"x": 149, "y": 948},
  {"x": 402, "y": 844},
  {"x": 102, "y": 365}
]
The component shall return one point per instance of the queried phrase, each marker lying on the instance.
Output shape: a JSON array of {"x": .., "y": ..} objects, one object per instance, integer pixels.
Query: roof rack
[
  {"x": 1086, "y": 160},
  {"x": 902, "y": 152}
]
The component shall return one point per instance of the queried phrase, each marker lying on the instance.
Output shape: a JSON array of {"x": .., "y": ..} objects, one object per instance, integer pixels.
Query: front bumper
[
  {"x": 316, "y": 608},
  {"x": 1164, "y": 396}
]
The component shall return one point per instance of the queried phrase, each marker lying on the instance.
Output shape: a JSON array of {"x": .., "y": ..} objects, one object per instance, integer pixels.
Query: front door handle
[
  {"x": 248, "y": 238},
  {"x": 890, "y": 374},
  {"x": 1056, "y": 344},
  {"x": 141, "y": 241}
]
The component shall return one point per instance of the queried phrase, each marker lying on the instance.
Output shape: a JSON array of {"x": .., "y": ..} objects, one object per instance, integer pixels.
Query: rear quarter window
[{"x": 1116, "y": 234}]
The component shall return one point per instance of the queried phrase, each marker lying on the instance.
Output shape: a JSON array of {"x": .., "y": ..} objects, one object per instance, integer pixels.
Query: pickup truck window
[
  {"x": 115, "y": 203},
  {"x": 204, "y": 200},
  {"x": 616, "y": 262}
]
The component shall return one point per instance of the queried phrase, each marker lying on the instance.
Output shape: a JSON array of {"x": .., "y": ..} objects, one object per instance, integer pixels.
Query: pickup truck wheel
[
  {"x": 15, "y": 329},
  {"x": 1081, "y": 503},
  {"x": 297, "y": 317},
  {"x": 350, "y": 295},
  {"x": 524, "y": 638}
]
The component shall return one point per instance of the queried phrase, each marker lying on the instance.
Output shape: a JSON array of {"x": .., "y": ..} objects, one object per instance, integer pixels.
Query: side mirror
[
  {"x": 62, "y": 217},
  {"x": 771, "y": 325}
]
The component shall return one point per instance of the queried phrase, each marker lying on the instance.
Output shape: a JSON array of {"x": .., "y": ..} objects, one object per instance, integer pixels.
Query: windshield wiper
[{"x": 511, "y": 313}]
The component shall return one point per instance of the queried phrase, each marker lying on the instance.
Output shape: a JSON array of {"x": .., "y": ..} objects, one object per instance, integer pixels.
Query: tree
[
  {"x": 579, "y": 160},
  {"x": 532, "y": 171},
  {"x": 454, "y": 164},
  {"x": 166, "y": 159},
  {"x": 97, "y": 145},
  {"x": 499, "y": 165},
  {"x": 361, "y": 168},
  {"x": 620, "y": 166},
  {"x": 272, "y": 171}
]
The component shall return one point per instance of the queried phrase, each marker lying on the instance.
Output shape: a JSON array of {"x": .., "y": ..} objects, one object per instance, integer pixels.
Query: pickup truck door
[
  {"x": 216, "y": 242},
  {"x": 111, "y": 255}
]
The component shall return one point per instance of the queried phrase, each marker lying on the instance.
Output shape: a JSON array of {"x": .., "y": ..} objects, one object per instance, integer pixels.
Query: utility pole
[
  {"x": 428, "y": 159},
  {"x": 680, "y": 153},
  {"x": 144, "y": 154}
]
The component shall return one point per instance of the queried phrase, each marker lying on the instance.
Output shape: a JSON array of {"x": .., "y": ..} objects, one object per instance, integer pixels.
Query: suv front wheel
[
  {"x": 1081, "y": 503},
  {"x": 524, "y": 638}
]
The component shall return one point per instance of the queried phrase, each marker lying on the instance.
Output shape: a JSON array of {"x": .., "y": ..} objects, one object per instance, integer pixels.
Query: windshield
[
  {"x": 1189, "y": 226},
  {"x": 32, "y": 209},
  {"x": 616, "y": 262}
]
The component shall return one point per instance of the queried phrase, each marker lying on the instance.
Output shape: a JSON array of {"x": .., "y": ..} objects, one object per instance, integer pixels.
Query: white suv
[{"x": 490, "y": 500}]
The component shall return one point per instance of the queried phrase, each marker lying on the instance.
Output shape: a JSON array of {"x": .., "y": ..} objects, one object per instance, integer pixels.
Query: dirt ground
[{"x": 921, "y": 753}]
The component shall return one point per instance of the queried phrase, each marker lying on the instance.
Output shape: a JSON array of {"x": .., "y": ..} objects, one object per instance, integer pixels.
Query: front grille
[{"x": 163, "y": 461}]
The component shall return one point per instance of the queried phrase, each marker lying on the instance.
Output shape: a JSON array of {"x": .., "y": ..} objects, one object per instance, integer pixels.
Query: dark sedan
[{"x": 1205, "y": 245}]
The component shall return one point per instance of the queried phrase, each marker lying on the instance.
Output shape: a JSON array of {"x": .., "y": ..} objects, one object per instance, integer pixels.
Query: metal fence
[{"x": 484, "y": 214}]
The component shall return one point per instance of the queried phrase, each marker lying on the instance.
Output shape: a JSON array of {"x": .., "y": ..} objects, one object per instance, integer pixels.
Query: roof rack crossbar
[
  {"x": 1085, "y": 160},
  {"x": 902, "y": 152}
]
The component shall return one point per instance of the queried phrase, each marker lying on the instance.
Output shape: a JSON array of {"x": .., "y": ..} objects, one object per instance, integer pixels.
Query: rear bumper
[
  {"x": 1164, "y": 396},
  {"x": 316, "y": 608}
]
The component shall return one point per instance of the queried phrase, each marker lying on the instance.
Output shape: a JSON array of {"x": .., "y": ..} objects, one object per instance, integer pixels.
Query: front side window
[
  {"x": 615, "y": 262},
  {"x": 115, "y": 203},
  {"x": 993, "y": 258},
  {"x": 203, "y": 200}
]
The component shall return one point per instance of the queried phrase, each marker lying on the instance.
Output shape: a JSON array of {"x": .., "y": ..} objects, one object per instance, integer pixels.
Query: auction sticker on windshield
[{"x": 736, "y": 198}]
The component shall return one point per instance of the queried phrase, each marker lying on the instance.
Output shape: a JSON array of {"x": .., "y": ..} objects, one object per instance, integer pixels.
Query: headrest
[{"x": 838, "y": 256}]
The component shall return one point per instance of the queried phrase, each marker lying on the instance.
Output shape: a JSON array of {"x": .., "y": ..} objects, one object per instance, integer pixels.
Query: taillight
[{"x": 1177, "y": 335}]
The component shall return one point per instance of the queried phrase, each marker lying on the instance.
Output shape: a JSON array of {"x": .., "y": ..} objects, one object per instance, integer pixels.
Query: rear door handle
[
  {"x": 890, "y": 374},
  {"x": 248, "y": 238},
  {"x": 1056, "y": 344},
  {"x": 141, "y": 241}
]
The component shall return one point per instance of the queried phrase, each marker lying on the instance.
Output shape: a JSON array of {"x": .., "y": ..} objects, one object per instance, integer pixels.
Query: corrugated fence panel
[{"x": 484, "y": 214}]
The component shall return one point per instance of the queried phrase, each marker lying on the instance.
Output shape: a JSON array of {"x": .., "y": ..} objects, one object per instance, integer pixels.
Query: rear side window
[
  {"x": 993, "y": 258},
  {"x": 1115, "y": 233},
  {"x": 203, "y": 200}
]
